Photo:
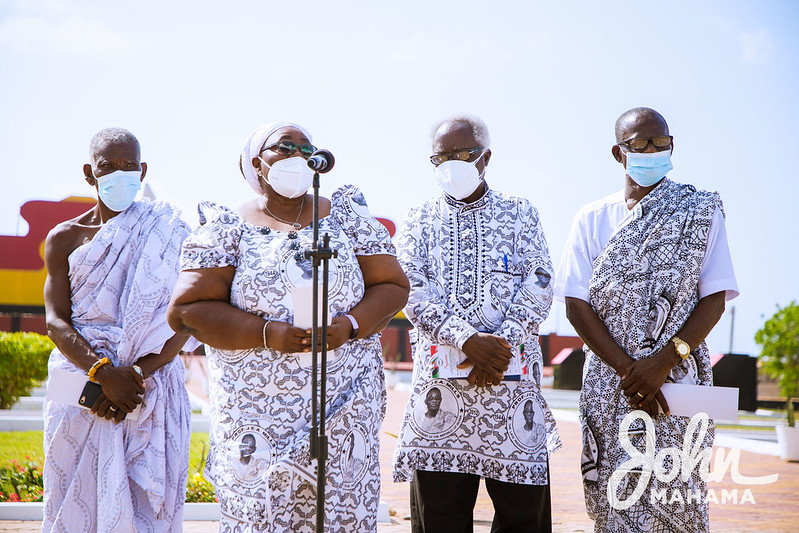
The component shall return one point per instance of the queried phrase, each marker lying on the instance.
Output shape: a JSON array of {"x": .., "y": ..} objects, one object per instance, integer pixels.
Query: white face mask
[
  {"x": 118, "y": 189},
  {"x": 459, "y": 179},
  {"x": 290, "y": 177}
]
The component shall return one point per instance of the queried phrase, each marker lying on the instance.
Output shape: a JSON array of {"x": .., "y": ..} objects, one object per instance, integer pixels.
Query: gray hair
[
  {"x": 479, "y": 128},
  {"x": 112, "y": 136}
]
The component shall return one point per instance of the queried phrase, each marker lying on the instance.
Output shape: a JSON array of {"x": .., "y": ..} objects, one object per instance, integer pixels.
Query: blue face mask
[
  {"x": 118, "y": 189},
  {"x": 648, "y": 169}
]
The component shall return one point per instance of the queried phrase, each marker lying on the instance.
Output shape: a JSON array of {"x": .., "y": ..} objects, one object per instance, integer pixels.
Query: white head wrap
[{"x": 254, "y": 144}]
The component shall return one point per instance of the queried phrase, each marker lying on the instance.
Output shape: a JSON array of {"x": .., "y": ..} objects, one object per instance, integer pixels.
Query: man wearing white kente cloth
[
  {"x": 110, "y": 274},
  {"x": 480, "y": 275},
  {"x": 645, "y": 274}
]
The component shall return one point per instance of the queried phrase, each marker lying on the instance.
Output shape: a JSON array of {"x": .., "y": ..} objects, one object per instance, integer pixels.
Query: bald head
[
  {"x": 247, "y": 447},
  {"x": 112, "y": 136},
  {"x": 630, "y": 119}
]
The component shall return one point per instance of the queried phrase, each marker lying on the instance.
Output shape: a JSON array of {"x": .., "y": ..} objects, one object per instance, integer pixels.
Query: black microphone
[{"x": 321, "y": 161}]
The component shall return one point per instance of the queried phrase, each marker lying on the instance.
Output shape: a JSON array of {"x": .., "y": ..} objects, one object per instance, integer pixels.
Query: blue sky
[{"x": 368, "y": 78}]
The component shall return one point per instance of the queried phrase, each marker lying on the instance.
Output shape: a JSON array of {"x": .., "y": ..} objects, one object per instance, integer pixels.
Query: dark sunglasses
[
  {"x": 641, "y": 143},
  {"x": 290, "y": 148},
  {"x": 463, "y": 155}
]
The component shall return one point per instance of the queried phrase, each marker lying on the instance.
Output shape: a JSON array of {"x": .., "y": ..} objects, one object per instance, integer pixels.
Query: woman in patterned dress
[{"x": 235, "y": 294}]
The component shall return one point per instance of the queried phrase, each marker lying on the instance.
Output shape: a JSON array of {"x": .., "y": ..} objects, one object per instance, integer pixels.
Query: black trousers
[{"x": 443, "y": 502}]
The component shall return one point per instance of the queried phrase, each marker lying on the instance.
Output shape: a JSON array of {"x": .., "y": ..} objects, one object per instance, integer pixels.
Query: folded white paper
[
  {"x": 64, "y": 386},
  {"x": 302, "y": 305},
  {"x": 720, "y": 403}
]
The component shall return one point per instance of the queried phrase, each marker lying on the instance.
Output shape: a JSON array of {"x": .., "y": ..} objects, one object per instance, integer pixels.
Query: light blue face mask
[
  {"x": 648, "y": 169},
  {"x": 118, "y": 189}
]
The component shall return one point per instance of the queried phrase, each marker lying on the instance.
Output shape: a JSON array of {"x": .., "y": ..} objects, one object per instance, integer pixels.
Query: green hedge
[{"x": 23, "y": 364}]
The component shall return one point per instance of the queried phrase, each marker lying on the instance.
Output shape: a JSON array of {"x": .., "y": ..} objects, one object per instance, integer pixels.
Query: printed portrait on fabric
[
  {"x": 250, "y": 454},
  {"x": 436, "y": 413}
]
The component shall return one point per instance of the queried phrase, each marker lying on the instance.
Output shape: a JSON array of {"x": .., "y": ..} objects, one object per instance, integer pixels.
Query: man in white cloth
[
  {"x": 532, "y": 434},
  {"x": 435, "y": 419},
  {"x": 654, "y": 251},
  {"x": 110, "y": 274},
  {"x": 480, "y": 275}
]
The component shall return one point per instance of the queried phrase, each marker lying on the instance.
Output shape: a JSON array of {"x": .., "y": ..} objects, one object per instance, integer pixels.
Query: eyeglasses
[
  {"x": 463, "y": 155},
  {"x": 641, "y": 143},
  {"x": 290, "y": 148}
]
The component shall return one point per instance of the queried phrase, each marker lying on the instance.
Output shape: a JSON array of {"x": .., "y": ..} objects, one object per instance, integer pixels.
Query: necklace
[{"x": 295, "y": 224}]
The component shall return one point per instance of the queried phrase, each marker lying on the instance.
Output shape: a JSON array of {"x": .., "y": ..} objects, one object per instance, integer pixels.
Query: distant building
[{"x": 22, "y": 275}]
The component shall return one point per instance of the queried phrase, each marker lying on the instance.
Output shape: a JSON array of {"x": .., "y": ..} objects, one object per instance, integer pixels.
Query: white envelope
[
  {"x": 64, "y": 386},
  {"x": 720, "y": 403}
]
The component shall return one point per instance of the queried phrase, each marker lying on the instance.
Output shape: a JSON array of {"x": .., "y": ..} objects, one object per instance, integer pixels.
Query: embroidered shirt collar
[{"x": 464, "y": 207}]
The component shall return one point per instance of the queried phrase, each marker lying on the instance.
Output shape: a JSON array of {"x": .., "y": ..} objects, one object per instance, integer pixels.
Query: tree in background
[
  {"x": 23, "y": 364},
  {"x": 779, "y": 357}
]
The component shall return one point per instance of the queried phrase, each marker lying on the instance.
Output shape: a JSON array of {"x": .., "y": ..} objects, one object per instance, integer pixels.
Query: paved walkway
[{"x": 775, "y": 508}]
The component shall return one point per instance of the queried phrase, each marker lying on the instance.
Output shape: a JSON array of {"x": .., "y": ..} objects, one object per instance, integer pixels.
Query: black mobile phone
[{"x": 91, "y": 391}]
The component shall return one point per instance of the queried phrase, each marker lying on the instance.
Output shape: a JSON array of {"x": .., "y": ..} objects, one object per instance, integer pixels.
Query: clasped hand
[
  {"x": 490, "y": 355},
  {"x": 286, "y": 338},
  {"x": 123, "y": 390},
  {"x": 641, "y": 382}
]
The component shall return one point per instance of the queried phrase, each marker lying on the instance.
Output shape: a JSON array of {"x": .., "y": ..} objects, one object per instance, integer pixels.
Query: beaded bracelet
[
  {"x": 266, "y": 325},
  {"x": 96, "y": 366}
]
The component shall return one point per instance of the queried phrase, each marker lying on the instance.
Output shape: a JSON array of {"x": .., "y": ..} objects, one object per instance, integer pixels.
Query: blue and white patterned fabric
[
  {"x": 105, "y": 477},
  {"x": 484, "y": 267},
  {"x": 260, "y": 398},
  {"x": 645, "y": 284}
]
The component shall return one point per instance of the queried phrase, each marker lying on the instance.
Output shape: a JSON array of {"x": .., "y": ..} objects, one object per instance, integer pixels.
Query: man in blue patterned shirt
[{"x": 480, "y": 276}]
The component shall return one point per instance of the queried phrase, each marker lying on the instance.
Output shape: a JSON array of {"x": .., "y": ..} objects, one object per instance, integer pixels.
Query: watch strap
[{"x": 681, "y": 346}]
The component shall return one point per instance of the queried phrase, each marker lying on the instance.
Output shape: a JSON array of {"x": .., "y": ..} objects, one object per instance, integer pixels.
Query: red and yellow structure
[{"x": 22, "y": 270}]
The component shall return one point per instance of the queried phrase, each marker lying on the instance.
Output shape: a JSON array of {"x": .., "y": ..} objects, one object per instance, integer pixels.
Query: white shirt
[{"x": 597, "y": 222}]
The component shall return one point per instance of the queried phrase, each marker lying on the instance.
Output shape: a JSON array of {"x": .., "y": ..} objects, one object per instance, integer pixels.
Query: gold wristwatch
[{"x": 682, "y": 348}]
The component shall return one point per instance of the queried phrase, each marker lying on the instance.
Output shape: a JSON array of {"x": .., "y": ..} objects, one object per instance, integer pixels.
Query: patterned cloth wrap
[
  {"x": 485, "y": 267},
  {"x": 644, "y": 287},
  {"x": 260, "y": 399},
  {"x": 106, "y": 477}
]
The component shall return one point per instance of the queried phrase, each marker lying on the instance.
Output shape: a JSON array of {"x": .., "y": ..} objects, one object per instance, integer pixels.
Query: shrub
[
  {"x": 23, "y": 364},
  {"x": 199, "y": 489},
  {"x": 21, "y": 482}
]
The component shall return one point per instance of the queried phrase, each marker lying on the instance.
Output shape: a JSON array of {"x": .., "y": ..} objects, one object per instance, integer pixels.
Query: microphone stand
[{"x": 321, "y": 255}]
